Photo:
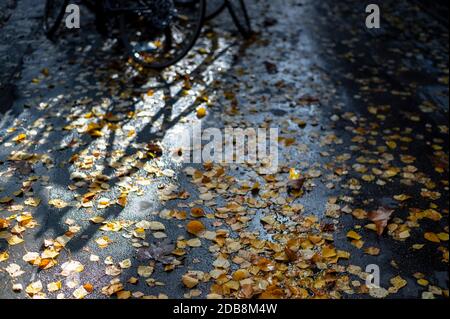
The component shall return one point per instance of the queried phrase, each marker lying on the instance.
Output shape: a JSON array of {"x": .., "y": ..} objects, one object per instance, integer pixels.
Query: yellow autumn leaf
[
  {"x": 328, "y": 252},
  {"x": 294, "y": 174},
  {"x": 353, "y": 235},
  {"x": 423, "y": 282},
  {"x": 398, "y": 282},
  {"x": 20, "y": 137},
  {"x": 4, "y": 256},
  {"x": 14, "y": 240},
  {"x": 391, "y": 144},
  {"x": 201, "y": 112},
  {"x": 112, "y": 226},
  {"x": 122, "y": 200},
  {"x": 241, "y": 274},
  {"x": 402, "y": 197},
  {"x": 357, "y": 243},
  {"x": 432, "y": 237},
  {"x": 34, "y": 288},
  {"x": 374, "y": 251},
  {"x": 54, "y": 286},
  {"x": 123, "y": 294}
]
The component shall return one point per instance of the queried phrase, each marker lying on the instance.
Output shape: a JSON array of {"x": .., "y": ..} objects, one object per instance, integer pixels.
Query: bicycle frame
[{"x": 105, "y": 6}]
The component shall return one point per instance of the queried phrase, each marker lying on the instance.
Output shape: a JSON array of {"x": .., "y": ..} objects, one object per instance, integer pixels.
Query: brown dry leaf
[
  {"x": 291, "y": 255},
  {"x": 432, "y": 237},
  {"x": 122, "y": 200},
  {"x": 195, "y": 227},
  {"x": 197, "y": 212},
  {"x": 112, "y": 289},
  {"x": 241, "y": 274},
  {"x": 189, "y": 281},
  {"x": 432, "y": 214},
  {"x": 380, "y": 217},
  {"x": 89, "y": 288},
  {"x": 4, "y": 223}
]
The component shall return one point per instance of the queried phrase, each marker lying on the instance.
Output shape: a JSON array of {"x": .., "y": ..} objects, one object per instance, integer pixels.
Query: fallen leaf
[
  {"x": 189, "y": 281},
  {"x": 34, "y": 288},
  {"x": 4, "y": 223},
  {"x": 145, "y": 271},
  {"x": 80, "y": 293},
  {"x": 201, "y": 112},
  {"x": 4, "y": 256},
  {"x": 374, "y": 251},
  {"x": 197, "y": 212},
  {"x": 328, "y": 252},
  {"x": 380, "y": 217},
  {"x": 432, "y": 237},
  {"x": 195, "y": 227},
  {"x": 54, "y": 286},
  {"x": 353, "y": 235},
  {"x": 58, "y": 203},
  {"x": 295, "y": 182}
]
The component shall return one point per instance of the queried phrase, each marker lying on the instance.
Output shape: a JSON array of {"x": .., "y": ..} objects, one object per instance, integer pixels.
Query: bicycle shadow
[{"x": 51, "y": 220}]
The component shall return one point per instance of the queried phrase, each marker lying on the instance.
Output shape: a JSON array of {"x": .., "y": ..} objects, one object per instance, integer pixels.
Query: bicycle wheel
[
  {"x": 53, "y": 15},
  {"x": 213, "y": 8},
  {"x": 158, "y": 34},
  {"x": 239, "y": 13}
]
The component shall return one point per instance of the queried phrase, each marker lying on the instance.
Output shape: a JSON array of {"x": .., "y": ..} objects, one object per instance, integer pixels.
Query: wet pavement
[{"x": 95, "y": 203}]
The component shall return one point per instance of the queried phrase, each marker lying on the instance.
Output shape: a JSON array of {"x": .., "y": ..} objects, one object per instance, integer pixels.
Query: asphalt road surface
[{"x": 95, "y": 203}]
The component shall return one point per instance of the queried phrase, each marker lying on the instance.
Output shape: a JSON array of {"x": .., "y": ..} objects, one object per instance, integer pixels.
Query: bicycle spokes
[
  {"x": 53, "y": 15},
  {"x": 158, "y": 41},
  {"x": 239, "y": 13}
]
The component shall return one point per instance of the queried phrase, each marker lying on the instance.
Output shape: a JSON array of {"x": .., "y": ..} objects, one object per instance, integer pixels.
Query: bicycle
[
  {"x": 155, "y": 33},
  {"x": 237, "y": 10}
]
